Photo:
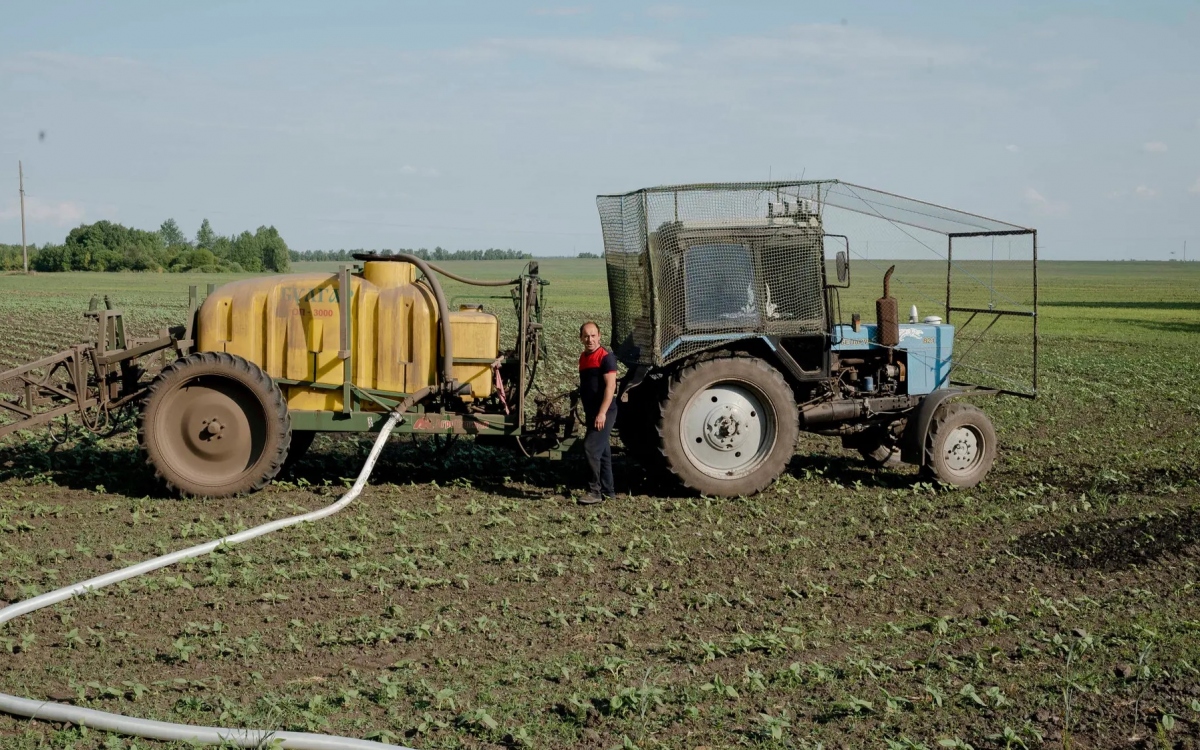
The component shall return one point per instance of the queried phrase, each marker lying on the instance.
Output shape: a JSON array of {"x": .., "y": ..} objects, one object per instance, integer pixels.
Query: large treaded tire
[
  {"x": 226, "y": 390},
  {"x": 960, "y": 446},
  {"x": 682, "y": 419},
  {"x": 637, "y": 424}
]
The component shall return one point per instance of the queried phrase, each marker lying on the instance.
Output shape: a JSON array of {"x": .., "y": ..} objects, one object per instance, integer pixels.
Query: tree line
[
  {"x": 108, "y": 246},
  {"x": 437, "y": 253}
]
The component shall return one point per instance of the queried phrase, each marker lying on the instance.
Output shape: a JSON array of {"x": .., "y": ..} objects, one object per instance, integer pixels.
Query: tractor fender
[
  {"x": 912, "y": 446},
  {"x": 633, "y": 378}
]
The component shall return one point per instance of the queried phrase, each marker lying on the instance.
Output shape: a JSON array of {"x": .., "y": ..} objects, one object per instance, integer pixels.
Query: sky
[{"x": 483, "y": 124}]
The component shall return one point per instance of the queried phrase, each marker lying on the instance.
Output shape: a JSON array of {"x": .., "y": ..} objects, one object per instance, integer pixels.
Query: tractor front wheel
[
  {"x": 728, "y": 426},
  {"x": 214, "y": 425},
  {"x": 961, "y": 445}
]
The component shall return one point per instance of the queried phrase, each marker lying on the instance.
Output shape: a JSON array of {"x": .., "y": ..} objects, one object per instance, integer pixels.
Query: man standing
[{"x": 597, "y": 388}]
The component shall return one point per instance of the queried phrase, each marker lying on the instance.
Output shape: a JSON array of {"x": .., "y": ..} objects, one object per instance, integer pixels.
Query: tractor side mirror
[{"x": 841, "y": 243}]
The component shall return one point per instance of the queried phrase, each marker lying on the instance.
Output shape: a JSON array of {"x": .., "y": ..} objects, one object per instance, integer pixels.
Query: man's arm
[{"x": 610, "y": 390}]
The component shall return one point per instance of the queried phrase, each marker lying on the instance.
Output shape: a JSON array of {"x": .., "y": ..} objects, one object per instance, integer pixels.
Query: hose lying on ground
[{"x": 161, "y": 730}]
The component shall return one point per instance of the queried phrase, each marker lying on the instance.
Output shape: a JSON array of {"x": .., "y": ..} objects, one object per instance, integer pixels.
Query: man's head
[{"x": 589, "y": 336}]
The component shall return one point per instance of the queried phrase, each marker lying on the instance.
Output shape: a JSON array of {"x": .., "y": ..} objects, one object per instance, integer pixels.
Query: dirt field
[{"x": 466, "y": 601}]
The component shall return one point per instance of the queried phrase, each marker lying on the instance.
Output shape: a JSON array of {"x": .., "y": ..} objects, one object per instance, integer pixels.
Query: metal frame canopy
[{"x": 988, "y": 268}]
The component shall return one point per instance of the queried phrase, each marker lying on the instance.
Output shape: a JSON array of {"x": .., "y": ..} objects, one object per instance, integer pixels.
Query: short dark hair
[{"x": 591, "y": 323}]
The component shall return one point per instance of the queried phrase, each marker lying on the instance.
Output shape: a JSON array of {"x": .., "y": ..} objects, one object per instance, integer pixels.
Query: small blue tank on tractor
[{"x": 730, "y": 324}]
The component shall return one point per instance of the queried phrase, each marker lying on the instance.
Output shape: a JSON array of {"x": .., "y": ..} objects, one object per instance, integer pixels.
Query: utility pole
[{"x": 21, "y": 184}]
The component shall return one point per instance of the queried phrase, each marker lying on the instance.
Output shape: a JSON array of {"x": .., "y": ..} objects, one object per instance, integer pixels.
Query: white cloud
[
  {"x": 105, "y": 72},
  {"x": 478, "y": 55},
  {"x": 1143, "y": 191},
  {"x": 667, "y": 12},
  {"x": 614, "y": 53},
  {"x": 1154, "y": 147},
  {"x": 62, "y": 213},
  {"x": 1012, "y": 148},
  {"x": 1043, "y": 206},
  {"x": 577, "y": 10},
  {"x": 1195, "y": 188},
  {"x": 1062, "y": 73},
  {"x": 852, "y": 48},
  {"x": 422, "y": 171}
]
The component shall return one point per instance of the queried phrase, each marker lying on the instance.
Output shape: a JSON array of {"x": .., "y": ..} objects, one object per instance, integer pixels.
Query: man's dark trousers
[{"x": 597, "y": 444}]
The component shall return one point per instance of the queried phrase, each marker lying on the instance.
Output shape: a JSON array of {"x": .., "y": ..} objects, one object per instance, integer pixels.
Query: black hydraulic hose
[
  {"x": 474, "y": 282},
  {"x": 439, "y": 269},
  {"x": 438, "y": 294}
]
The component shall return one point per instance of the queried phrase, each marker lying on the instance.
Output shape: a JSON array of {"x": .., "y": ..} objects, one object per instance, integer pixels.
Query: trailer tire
[
  {"x": 197, "y": 402},
  {"x": 728, "y": 426},
  {"x": 961, "y": 445}
]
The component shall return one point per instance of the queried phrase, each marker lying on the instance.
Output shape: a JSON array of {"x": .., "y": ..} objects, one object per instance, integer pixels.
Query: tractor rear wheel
[
  {"x": 728, "y": 426},
  {"x": 637, "y": 420},
  {"x": 961, "y": 445},
  {"x": 214, "y": 425}
]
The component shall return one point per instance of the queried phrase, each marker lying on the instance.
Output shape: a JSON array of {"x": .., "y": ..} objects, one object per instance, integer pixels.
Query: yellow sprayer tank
[{"x": 290, "y": 327}]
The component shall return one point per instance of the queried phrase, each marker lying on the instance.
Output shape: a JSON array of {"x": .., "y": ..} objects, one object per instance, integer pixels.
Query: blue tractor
[{"x": 727, "y": 317}]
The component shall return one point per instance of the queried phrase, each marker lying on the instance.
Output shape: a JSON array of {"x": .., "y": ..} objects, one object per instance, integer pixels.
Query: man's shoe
[{"x": 591, "y": 498}]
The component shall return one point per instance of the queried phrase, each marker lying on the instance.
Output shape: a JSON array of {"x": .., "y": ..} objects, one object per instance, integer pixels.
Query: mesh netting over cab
[{"x": 691, "y": 267}]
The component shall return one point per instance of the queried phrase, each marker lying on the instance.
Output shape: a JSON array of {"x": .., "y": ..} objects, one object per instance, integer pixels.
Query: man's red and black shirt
[{"x": 593, "y": 366}]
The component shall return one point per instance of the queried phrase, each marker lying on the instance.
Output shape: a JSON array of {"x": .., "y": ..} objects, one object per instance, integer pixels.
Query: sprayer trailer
[
  {"x": 264, "y": 364},
  {"x": 731, "y": 331}
]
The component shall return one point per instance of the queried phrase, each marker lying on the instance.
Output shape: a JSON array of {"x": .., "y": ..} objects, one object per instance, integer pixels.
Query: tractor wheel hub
[
  {"x": 961, "y": 448},
  {"x": 725, "y": 427}
]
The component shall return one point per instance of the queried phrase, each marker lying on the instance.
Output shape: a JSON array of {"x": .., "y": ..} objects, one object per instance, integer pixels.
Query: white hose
[{"x": 162, "y": 730}]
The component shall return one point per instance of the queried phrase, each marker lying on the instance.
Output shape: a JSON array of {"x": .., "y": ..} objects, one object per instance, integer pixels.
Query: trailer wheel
[
  {"x": 728, "y": 426},
  {"x": 214, "y": 425},
  {"x": 961, "y": 445}
]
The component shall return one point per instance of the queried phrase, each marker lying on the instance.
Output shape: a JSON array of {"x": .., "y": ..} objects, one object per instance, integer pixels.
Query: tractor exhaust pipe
[
  {"x": 832, "y": 411},
  {"x": 887, "y": 314}
]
